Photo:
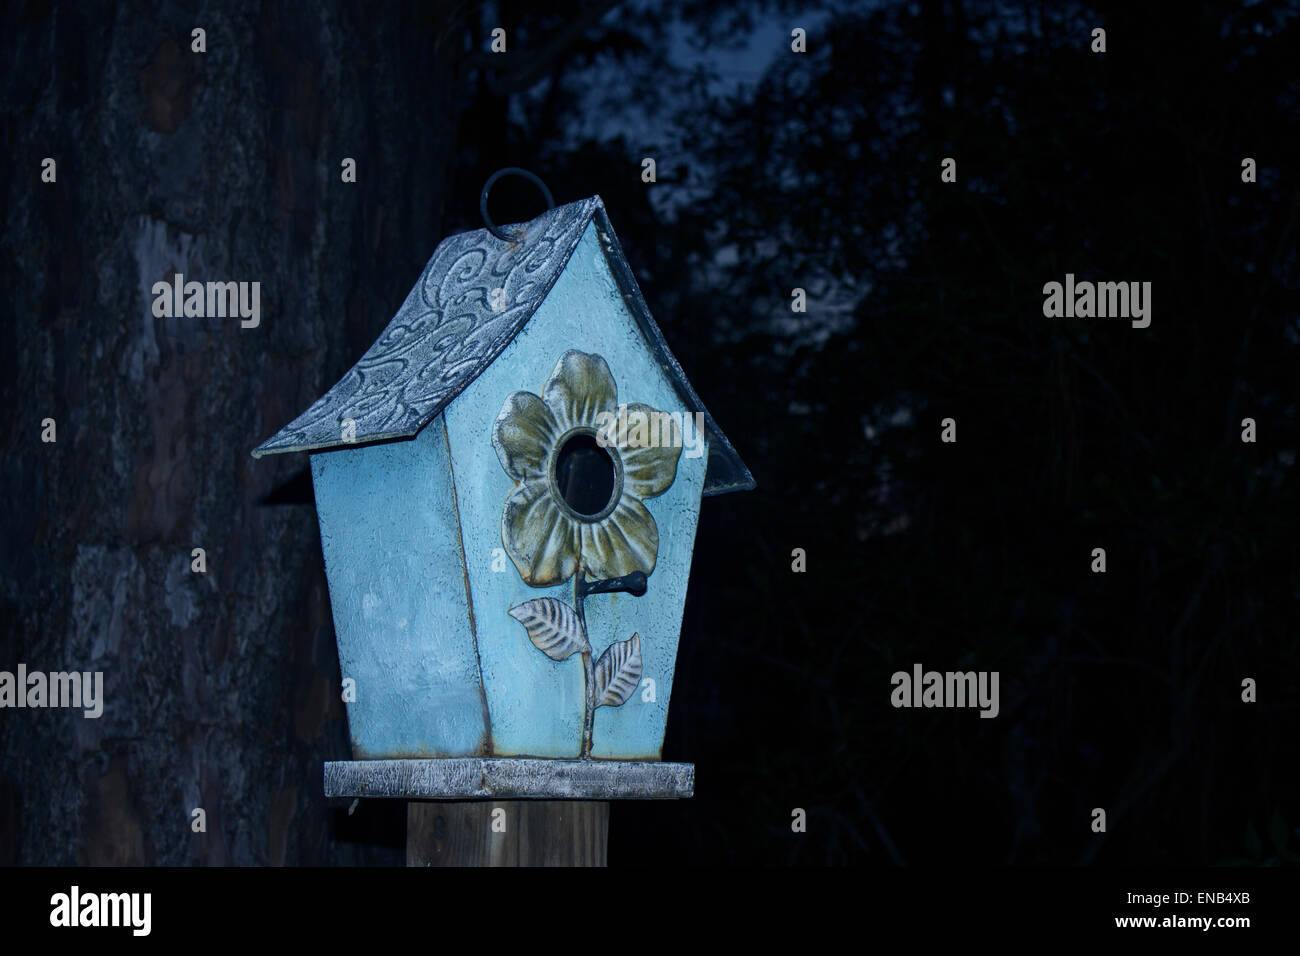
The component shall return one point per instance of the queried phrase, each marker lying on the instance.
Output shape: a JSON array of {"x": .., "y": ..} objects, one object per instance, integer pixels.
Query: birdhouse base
[{"x": 509, "y": 778}]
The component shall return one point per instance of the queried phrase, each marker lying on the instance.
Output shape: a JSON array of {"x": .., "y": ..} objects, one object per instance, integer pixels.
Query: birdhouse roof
[{"x": 472, "y": 298}]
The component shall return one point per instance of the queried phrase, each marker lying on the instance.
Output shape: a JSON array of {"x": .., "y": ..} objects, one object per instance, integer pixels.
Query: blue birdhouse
[{"x": 508, "y": 484}]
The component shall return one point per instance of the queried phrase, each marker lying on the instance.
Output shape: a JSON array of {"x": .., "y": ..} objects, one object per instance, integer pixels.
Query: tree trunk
[{"x": 221, "y": 689}]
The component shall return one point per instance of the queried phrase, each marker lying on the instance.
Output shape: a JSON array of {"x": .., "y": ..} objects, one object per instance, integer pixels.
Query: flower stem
[{"x": 588, "y": 669}]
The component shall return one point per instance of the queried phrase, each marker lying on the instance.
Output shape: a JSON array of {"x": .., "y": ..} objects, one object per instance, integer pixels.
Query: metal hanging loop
[{"x": 487, "y": 186}]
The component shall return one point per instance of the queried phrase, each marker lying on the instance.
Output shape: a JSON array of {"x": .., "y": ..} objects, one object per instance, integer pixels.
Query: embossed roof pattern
[{"x": 455, "y": 322}]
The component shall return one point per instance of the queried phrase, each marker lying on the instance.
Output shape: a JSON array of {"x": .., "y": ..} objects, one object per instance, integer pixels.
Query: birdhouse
[{"x": 508, "y": 484}]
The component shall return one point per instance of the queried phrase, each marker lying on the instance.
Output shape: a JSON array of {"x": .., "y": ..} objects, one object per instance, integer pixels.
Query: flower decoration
[
  {"x": 577, "y": 512},
  {"x": 546, "y": 536}
]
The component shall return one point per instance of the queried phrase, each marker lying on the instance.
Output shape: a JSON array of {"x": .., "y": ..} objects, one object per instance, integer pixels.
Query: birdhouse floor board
[{"x": 509, "y": 778}]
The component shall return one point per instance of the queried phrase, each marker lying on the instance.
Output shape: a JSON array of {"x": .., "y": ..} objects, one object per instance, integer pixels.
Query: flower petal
[
  {"x": 541, "y": 540},
  {"x": 580, "y": 388},
  {"x": 650, "y": 450},
  {"x": 523, "y": 436},
  {"x": 626, "y": 541}
]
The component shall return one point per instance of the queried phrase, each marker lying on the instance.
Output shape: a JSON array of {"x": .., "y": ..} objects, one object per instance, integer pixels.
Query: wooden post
[{"x": 524, "y": 833}]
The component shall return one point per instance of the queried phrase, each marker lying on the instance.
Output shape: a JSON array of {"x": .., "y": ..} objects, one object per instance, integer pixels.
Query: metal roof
[{"x": 455, "y": 322}]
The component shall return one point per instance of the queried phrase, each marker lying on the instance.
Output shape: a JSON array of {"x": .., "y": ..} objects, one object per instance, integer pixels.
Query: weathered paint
[
  {"x": 420, "y": 583},
  {"x": 397, "y": 588},
  {"x": 535, "y": 704}
]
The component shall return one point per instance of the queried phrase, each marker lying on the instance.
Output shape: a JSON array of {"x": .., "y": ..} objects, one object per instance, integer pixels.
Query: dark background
[{"x": 776, "y": 170}]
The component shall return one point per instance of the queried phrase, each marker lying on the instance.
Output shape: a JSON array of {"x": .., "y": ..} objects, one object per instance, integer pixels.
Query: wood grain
[{"x": 537, "y": 833}]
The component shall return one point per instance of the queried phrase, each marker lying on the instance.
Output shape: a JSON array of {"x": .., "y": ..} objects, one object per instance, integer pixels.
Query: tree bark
[{"x": 221, "y": 688}]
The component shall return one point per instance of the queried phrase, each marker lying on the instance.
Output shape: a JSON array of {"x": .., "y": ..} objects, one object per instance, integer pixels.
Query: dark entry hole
[{"x": 584, "y": 475}]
